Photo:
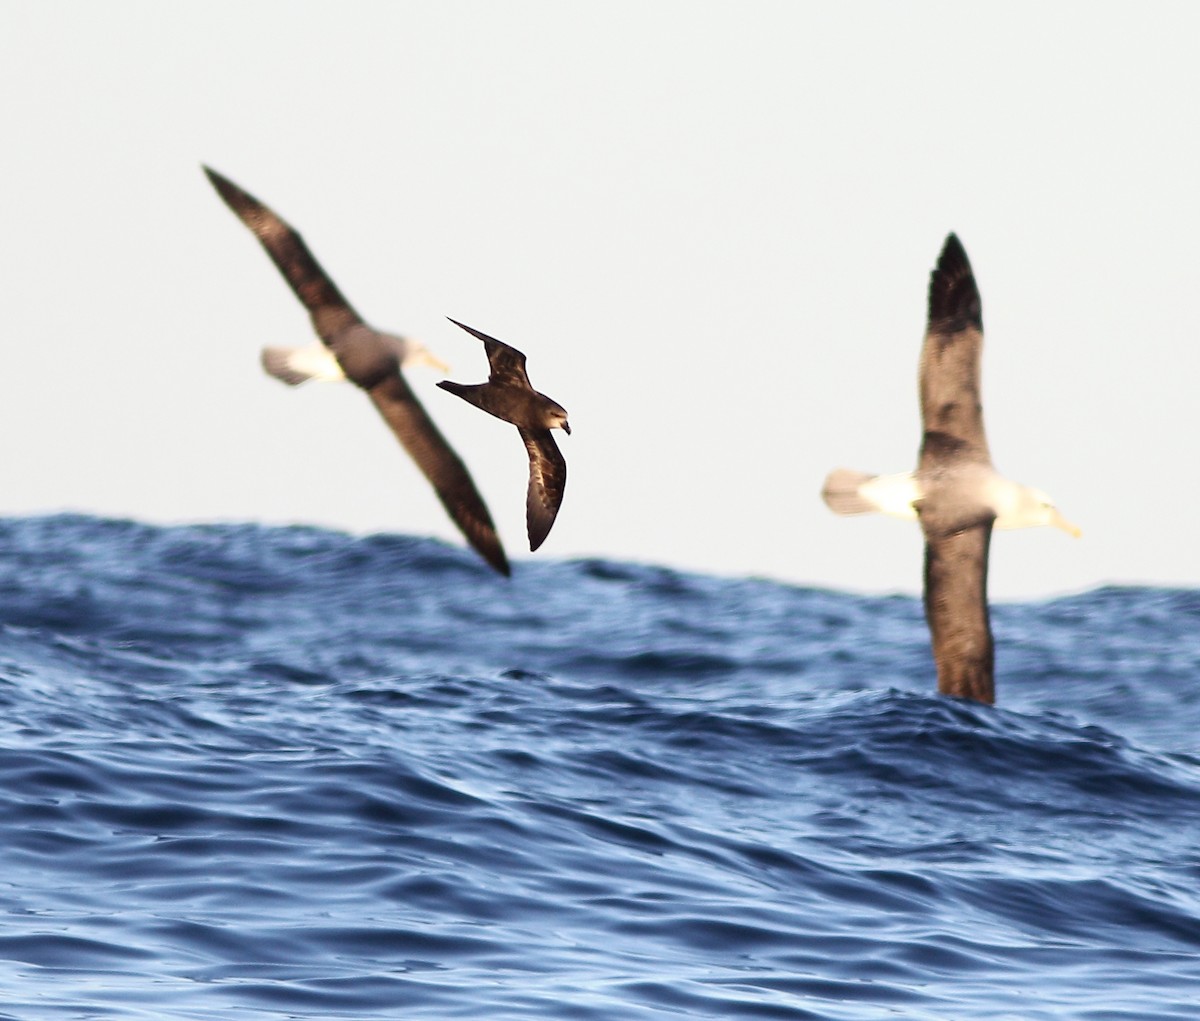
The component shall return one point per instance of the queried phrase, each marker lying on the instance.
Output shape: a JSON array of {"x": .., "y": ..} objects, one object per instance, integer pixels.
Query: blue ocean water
[{"x": 286, "y": 773}]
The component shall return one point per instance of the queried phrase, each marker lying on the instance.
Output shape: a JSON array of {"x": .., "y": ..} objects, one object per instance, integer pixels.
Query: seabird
[
  {"x": 955, "y": 493},
  {"x": 372, "y": 360},
  {"x": 508, "y": 395}
]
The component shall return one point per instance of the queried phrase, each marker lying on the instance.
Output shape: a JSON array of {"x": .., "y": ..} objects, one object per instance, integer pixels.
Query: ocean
[{"x": 261, "y": 772}]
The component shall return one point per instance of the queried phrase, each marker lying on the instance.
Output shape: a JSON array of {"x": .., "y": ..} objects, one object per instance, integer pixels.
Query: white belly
[{"x": 893, "y": 494}]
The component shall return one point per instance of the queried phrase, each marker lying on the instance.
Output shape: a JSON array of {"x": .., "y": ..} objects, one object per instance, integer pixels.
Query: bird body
[
  {"x": 319, "y": 362},
  {"x": 524, "y": 408},
  {"x": 1012, "y": 504}
]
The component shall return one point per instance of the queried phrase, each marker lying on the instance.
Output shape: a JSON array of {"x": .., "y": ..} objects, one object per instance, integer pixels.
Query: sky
[{"x": 709, "y": 226}]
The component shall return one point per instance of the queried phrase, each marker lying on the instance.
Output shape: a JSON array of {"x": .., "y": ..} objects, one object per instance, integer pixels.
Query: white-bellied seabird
[
  {"x": 955, "y": 492},
  {"x": 508, "y": 395},
  {"x": 352, "y": 350}
]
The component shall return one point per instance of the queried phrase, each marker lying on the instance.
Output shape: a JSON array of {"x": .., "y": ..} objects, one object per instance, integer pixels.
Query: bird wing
[
  {"x": 506, "y": 362},
  {"x": 956, "y": 608},
  {"x": 441, "y": 465},
  {"x": 330, "y": 312},
  {"x": 951, "y": 408},
  {"x": 547, "y": 481}
]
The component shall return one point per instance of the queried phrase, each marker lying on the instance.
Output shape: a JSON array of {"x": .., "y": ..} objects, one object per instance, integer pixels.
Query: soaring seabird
[
  {"x": 955, "y": 492},
  {"x": 372, "y": 360},
  {"x": 508, "y": 395}
]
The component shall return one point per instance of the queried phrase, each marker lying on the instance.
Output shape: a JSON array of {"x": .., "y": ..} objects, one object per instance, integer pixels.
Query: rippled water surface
[{"x": 264, "y": 772}]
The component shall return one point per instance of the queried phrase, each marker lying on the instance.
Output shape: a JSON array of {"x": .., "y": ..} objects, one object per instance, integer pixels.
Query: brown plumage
[
  {"x": 372, "y": 361},
  {"x": 957, "y": 525},
  {"x": 955, "y": 493},
  {"x": 508, "y": 395}
]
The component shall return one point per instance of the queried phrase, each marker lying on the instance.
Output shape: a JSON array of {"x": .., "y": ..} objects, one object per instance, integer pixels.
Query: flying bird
[
  {"x": 350, "y": 349},
  {"x": 508, "y": 395},
  {"x": 955, "y": 493}
]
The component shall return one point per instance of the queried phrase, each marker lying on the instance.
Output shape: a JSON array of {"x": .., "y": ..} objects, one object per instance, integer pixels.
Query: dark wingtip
[
  {"x": 474, "y": 332},
  {"x": 497, "y": 560},
  {"x": 217, "y": 180},
  {"x": 954, "y": 302},
  {"x": 539, "y": 531},
  {"x": 237, "y": 198}
]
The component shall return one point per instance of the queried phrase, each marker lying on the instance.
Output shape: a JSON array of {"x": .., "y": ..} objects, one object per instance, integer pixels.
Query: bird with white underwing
[
  {"x": 351, "y": 350},
  {"x": 955, "y": 493}
]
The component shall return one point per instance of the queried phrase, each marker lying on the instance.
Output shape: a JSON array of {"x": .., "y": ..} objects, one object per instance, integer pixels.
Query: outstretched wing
[
  {"x": 506, "y": 362},
  {"x": 547, "y": 481},
  {"x": 951, "y": 408},
  {"x": 956, "y": 608},
  {"x": 330, "y": 312},
  {"x": 441, "y": 465}
]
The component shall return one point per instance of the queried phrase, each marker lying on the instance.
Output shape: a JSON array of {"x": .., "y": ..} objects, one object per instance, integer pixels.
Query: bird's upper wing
[
  {"x": 547, "y": 481},
  {"x": 506, "y": 362},
  {"x": 951, "y": 408},
  {"x": 330, "y": 312},
  {"x": 957, "y": 609},
  {"x": 440, "y": 464}
]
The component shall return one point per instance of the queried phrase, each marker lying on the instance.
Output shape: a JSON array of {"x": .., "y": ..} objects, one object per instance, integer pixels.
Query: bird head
[
  {"x": 1039, "y": 509},
  {"x": 1018, "y": 506},
  {"x": 411, "y": 352},
  {"x": 557, "y": 418}
]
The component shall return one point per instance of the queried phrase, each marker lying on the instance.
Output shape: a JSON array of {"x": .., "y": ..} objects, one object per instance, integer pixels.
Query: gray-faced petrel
[
  {"x": 955, "y": 492},
  {"x": 352, "y": 350},
  {"x": 508, "y": 395}
]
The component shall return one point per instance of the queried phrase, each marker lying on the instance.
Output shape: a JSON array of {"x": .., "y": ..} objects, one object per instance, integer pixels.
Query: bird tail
[
  {"x": 296, "y": 365},
  {"x": 472, "y": 393},
  {"x": 277, "y": 362},
  {"x": 841, "y": 492}
]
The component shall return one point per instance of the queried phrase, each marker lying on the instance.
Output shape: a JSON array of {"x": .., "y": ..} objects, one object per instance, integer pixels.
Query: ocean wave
[{"x": 288, "y": 772}]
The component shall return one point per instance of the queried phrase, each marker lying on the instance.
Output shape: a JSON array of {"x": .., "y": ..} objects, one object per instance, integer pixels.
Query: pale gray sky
[{"x": 709, "y": 226}]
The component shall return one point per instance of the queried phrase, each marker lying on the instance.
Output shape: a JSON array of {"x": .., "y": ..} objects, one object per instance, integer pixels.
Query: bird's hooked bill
[{"x": 1058, "y": 521}]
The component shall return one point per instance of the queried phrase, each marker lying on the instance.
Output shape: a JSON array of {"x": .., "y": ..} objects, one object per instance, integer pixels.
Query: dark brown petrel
[
  {"x": 368, "y": 358},
  {"x": 955, "y": 492},
  {"x": 508, "y": 395}
]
